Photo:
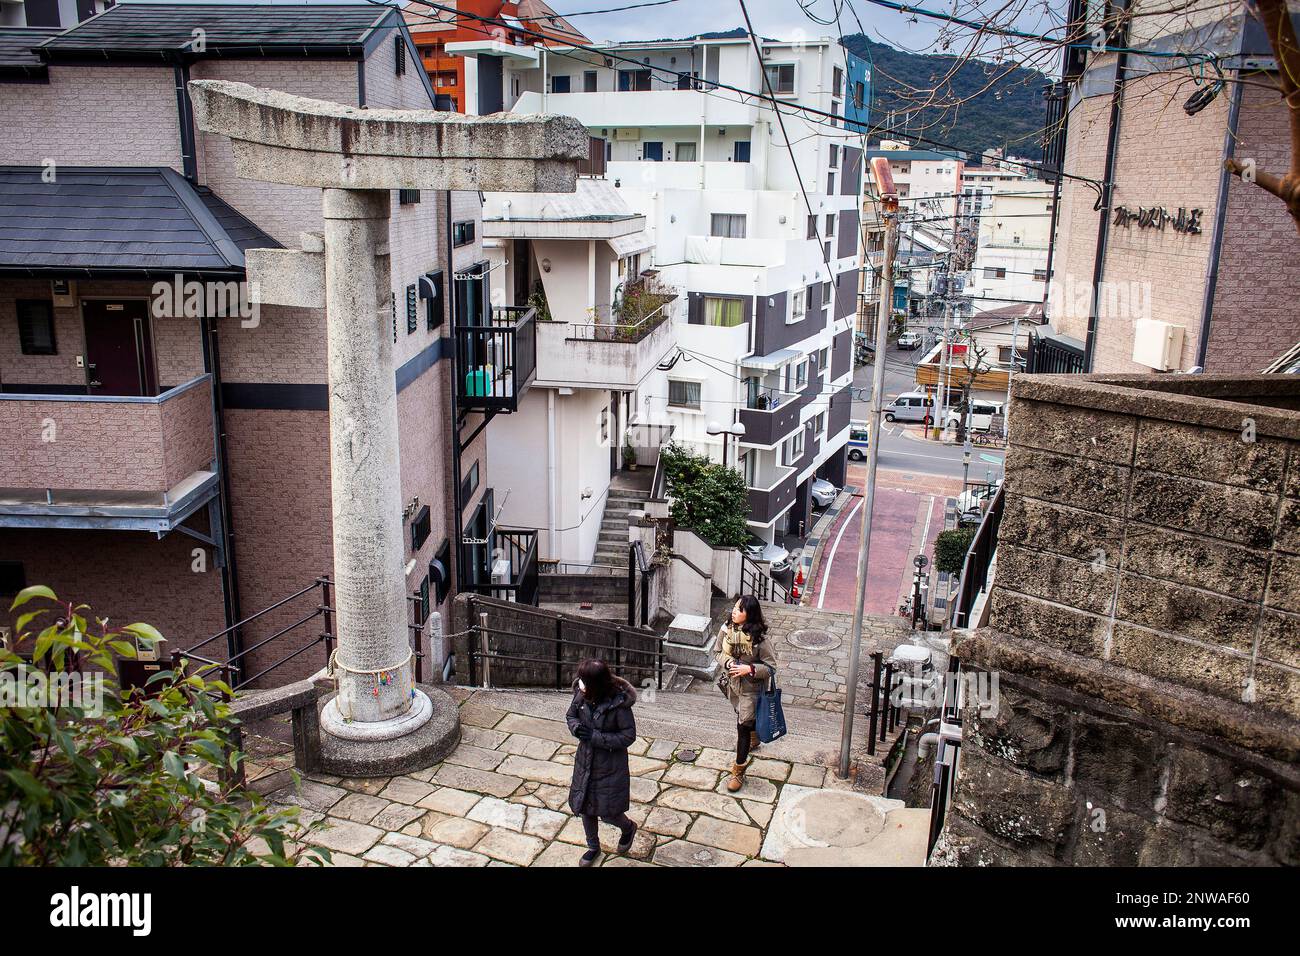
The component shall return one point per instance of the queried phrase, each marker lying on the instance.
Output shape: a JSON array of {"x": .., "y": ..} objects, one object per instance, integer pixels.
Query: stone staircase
[{"x": 611, "y": 546}]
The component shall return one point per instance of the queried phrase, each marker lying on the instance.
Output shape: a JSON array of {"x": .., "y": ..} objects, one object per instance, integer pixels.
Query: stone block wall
[{"x": 1145, "y": 625}]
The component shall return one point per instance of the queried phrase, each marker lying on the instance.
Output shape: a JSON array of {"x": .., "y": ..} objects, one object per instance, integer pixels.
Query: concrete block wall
[{"x": 1145, "y": 624}]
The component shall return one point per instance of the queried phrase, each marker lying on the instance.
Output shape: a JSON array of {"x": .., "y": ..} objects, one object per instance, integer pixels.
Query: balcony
[
  {"x": 495, "y": 363},
  {"x": 773, "y": 494},
  {"x": 771, "y": 416},
  {"x": 502, "y": 566},
  {"x": 106, "y": 461},
  {"x": 644, "y": 108},
  {"x": 611, "y": 352}
]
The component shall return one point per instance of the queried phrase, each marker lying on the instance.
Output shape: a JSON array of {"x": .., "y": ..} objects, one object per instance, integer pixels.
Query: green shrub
[
  {"x": 950, "y": 549},
  {"x": 706, "y": 497},
  {"x": 118, "y": 779}
]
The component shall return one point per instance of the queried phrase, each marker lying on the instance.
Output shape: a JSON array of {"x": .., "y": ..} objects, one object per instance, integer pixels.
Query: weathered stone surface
[
  {"x": 642, "y": 765},
  {"x": 1076, "y": 482},
  {"x": 1012, "y": 805},
  {"x": 543, "y": 771},
  {"x": 544, "y": 823},
  {"x": 452, "y": 856},
  {"x": 406, "y": 790},
  {"x": 1109, "y": 836},
  {"x": 457, "y": 832},
  {"x": 1288, "y": 526},
  {"x": 499, "y": 813},
  {"x": 1277, "y": 689},
  {"x": 1210, "y": 618},
  {"x": 510, "y": 847},
  {"x": 370, "y": 785},
  {"x": 1073, "y": 631},
  {"x": 481, "y": 781},
  {"x": 312, "y": 796},
  {"x": 760, "y": 813},
  {"x": 560, "y": 854},
  {"x": 753, "y": 788},
  {"x": 1214, "y": 671},
  {"x": 806, "y": 775},
  {"x": 1044, "y": 526},
  {"x": 1284, "y": 584},
  {"x": 683, "y": 853},
  {"x": 481, "y": 737},
  {"x": 1115, "y": 760},
  {"x": 732, "y": 837},
  {"x": 467, "y": 755},
  {"x": 1279, "y": 638},
  {"x": 359, "y": 807},
  {"x": 413, "y": 845},
  {"x": 344, "y": 836},
  {"x": 768, "y": 769},
  {"x": 1103, "y": 436},
  {"x": 396, "y": 816},
  {"x": 537, "y": 727},
  {"x": 1200, "y": 562},
  {"x": 450, "y": 801},
  {"x": 662, "y": 749},
  {"x": 1026, "y": 732},
  {"x": 961, "y": 843},
  {"x": 535, "y": 747},
  {"x": 688, "y": 775},
  {"x": 1211, "y": 455},
  {"x": 643, "y": 790},
  {"x": 475, "y": 713},
  {"x": 1230, "y": 801},
  {"x": 697, "y": 801},
  {"x": 388, "y": 856},
  {"x": 1088, "y": 585},
  {"x": 1235, "y": 514},
  {"x": 666, "y": 821}
]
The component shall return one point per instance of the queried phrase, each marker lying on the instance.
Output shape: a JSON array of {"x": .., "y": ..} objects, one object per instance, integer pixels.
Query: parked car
[
  {"x": 759, "y": 551},
  {"x": 979, "y": 419},
  {"x": 909, "y": 341},
  {"x": 859, "y": 440},
  {"x": 909, "y": 407},
  {"x": 977, "y": 498},
  {"x": 823, "y": 493}
]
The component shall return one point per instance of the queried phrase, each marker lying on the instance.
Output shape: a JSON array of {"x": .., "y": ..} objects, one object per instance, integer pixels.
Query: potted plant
[{"x": 629, "y": 457}]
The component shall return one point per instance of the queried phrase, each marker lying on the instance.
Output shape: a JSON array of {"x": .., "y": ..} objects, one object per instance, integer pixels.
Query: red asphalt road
[{"x": 897, "y": 521}]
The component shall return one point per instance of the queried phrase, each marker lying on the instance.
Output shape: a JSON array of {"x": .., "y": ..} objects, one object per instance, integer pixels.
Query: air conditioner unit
[
  {"x": 1156, "y": 344},
  {"x": 501, "y": 579}
]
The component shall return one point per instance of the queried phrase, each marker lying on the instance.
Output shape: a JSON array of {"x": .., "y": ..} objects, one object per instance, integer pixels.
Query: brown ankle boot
[{"x": 737, "y": 778}]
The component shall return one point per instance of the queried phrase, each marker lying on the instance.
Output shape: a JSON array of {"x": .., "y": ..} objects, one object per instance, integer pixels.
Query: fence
[
  {"x": 975, "y": 567},
  {"x": 754, "y": 580}
]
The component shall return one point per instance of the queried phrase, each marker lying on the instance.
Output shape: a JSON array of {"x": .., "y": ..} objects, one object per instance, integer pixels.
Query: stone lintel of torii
[{"x": 380, "y": 722}]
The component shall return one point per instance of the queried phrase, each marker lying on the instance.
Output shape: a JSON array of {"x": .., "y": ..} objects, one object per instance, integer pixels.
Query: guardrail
[{"x": 975, "y": 567}]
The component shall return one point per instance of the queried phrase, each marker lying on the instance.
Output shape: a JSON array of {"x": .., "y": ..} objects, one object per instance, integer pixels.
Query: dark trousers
[
  {"x": 742, "y": 741},
  {"x": 590, "y": 827}
]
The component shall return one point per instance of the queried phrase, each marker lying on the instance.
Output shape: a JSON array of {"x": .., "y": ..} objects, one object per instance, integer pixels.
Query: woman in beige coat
[{"x": 744, "y": 653}]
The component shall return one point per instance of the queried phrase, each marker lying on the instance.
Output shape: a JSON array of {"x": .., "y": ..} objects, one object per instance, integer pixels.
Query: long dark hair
[
  {"x": 754, "y": 624},
  {"x": 597, "y": 678}
]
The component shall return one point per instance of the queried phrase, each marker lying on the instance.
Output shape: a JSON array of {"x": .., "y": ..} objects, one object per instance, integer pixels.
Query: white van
[
  {"x": 909, "y": 407},
  {"x": 980, "y": 418}
]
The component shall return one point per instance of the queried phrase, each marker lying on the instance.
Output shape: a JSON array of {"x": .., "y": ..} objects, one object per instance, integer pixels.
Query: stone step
[
  {"x": 699, "y": 662},
  {"x": 693, "y": 630}
]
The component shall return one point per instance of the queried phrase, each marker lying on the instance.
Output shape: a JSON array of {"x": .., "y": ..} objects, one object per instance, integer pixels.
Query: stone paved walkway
[{"x": 501, "y": 798}]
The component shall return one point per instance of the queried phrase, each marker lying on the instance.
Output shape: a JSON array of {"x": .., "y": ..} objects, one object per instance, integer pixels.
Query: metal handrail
[
  {"x": 624, "y": 333},
  {"x": 975, "y": 565}
]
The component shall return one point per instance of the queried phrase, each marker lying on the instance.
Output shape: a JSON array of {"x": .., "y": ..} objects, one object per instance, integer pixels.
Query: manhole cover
[
  {"x": 811, "y": 640},
  {"x": 687, "y": 756}
]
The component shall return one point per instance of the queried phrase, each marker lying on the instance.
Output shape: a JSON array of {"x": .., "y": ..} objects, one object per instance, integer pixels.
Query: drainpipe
[
  {"x": 1107, "y": 191},
  {"x": 457, "y": 523},
  {"x": 550, "y": 474},
  {"x": 229, "y": 572},
  {"x": 1220, "y": 215},
  {"x": 185, "y": 120},
  {"x": 704, "y": 108}
]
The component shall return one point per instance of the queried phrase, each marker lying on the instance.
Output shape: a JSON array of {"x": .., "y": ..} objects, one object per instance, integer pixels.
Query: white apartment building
[
  {"x": 979, "y": 182},
  {"x": 694, "y": 202},
  {"x": 1010, "y": 265}
]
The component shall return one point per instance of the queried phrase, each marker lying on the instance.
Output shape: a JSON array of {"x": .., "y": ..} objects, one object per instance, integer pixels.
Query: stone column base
[{"x": 423, "y": 736}]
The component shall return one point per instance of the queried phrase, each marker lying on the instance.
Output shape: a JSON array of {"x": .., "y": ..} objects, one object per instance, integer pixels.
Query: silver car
[
  {"x": 760, "y": 552},
  {"x": 823, "y": 493}
]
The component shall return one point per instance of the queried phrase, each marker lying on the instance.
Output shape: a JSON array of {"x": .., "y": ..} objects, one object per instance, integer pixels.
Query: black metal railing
[
  {"x": 754, "y": 580},
  {"x": 238, "y": 671},
  {"x": 513, "y": 645},
  {"x": 947, "y": 755},
  {"x": 495, "y": 362},
  {"x": 518, "y": 547},
  {"x": 640, "y": 572},
  {"x": 881, "y": 711},
  {"x": 975, "y": 568},
  {"x": 1052, "y": 356}
]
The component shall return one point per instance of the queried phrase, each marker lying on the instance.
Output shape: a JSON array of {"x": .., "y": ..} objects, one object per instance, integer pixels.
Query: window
[
  {"x": 560, "y": 84},
  {"x": 828, "y": 295},
  {"x": 835, "y": 156},
  {"x": 412, "y": 309},
  {"x": 837, "y": 81},
  {"x": 992, "y": 272},
  {"x": 420, "y": 526},
  {"x": 824, "y": 359},
  {"x": 727, "y": 226},
  {"x": 830, "y": 224},
  {"x": 724, "y": 313},
  {"x": 684, "y": 152},
  {"x": 781, "y": 78},
  {"x": 859, "y": 94},
  {"x": 801, "y": 374},
  {"x": 470, "y": 484},
  {"x": 820, "y": 427},
  {"x": 812, "y": 227},
  {"x": 589, "y": 81},
  {"x": 830, "y": 184},
  {"x": 462, "y": 233},
  {"x": 684, "y": 394},
  {"x": 408, "y": 197},
  {"x": 604, "y": 427},
  {"x": 36, "y": 326},
  {"x": 798, "y": 305},
  {"x": 1040, "y": 275},
  {"x": 399, "y": 54},
  {"x": 1004, "y": 354},
  {"x": 633, "y": 80},
  {"x": 792, "y": 450},
  {"x": 424, "y": 600},
  {"x": 749, "y": 465},
  {"x": 431, "y": 291}
]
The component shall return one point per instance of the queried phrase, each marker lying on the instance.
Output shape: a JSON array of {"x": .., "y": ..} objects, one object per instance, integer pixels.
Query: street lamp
[
  {"x": 965, "y": 462},
  {"x": 736, "y": 429},
  {"x": 920, "y": 561}
]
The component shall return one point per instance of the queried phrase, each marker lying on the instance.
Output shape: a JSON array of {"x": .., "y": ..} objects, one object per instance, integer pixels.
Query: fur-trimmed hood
[{"x": 624, "y": 694}]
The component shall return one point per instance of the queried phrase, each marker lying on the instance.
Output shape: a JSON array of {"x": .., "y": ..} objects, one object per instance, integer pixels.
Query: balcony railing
[
  {"x": 975, "y": 569},
  {"x": 771, "y": 416},
  {"x": 495, "y": 363},
  {"x": 766, "y": 503},
  {"x": 511, "y": 567},
  {"x": 623, "y": 326}
]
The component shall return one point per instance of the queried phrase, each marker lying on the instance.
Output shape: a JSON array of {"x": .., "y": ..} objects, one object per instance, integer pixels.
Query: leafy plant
[
  {"x": 707, "y": 498},
  {"x": 950, "y": 549},
  {"x": 119, "y": 779},
  {"x": 629, "y": 456}
]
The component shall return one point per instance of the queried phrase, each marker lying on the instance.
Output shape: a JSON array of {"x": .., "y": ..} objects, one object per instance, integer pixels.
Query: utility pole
[
  {"x": 889, "y": 210},
  {"x": 945, "y": 369}
]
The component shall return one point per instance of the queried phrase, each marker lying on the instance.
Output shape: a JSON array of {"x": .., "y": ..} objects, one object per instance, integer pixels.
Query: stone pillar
[{"x": 377, "y": 696}]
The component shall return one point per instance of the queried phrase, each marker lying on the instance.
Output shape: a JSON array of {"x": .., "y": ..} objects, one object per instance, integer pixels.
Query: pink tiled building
[{"x": 171, "y": 464}]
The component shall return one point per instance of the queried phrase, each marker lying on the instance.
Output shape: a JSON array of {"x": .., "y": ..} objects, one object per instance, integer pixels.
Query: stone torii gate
[{"x": 380, "y": 722}]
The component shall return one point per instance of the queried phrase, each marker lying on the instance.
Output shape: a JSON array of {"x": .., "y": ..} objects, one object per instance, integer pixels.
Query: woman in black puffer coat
[{"x": 600, "y": 716}]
